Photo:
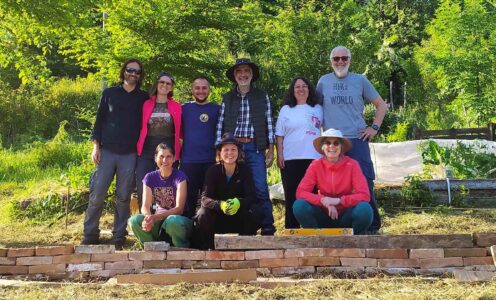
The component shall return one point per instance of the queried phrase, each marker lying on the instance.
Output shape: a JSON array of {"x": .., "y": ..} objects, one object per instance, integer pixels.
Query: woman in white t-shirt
[{"x": 298, "y": 124}]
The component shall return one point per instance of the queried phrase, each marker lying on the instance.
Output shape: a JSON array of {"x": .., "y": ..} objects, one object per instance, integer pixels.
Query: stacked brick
[{"x": 103, "y": 261}]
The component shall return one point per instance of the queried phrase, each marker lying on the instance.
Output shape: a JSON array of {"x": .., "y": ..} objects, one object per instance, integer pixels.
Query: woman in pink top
[
  {"x": 161, "y": 123},
  {"x": 343, "y": 194}
]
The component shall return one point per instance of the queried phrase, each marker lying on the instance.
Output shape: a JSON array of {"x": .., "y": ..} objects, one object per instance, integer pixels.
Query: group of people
[{"x": 200, "y": 168}]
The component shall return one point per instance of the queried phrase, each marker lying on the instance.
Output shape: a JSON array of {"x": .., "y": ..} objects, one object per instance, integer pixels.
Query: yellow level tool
[{"x": 321, "y": 231}]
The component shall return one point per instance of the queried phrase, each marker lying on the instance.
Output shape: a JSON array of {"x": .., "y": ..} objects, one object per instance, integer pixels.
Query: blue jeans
[
  {"x": 358, "y": 217},
  {"x": 361, "y": 153},
  {"x": 255, "y": 160},
  {"x": 122, "y": 166},
  {"x": 177, "y": 228}
]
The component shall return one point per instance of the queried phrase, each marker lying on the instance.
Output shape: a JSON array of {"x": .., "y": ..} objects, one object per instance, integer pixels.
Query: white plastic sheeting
[{"x": 394, "y": 161}]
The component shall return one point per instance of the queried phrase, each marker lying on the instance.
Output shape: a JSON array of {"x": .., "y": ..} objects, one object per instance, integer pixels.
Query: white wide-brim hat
[{"x": 331, "y": 132}]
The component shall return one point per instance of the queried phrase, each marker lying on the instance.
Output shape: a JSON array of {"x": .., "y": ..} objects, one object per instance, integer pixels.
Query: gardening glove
[{"x": 230, "y": 206}]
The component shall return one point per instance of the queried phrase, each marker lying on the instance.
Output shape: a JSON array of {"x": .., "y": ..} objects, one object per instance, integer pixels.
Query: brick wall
[{"x": 275, "y": 256}]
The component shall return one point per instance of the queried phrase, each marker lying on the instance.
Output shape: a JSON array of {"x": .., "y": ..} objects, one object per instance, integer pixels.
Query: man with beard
[
  {"x": 198, "y": 153},
  {"x": 115, "y": 133},
  {"x": 246, "y": 113},
  {"x": 344, "y": 95}
]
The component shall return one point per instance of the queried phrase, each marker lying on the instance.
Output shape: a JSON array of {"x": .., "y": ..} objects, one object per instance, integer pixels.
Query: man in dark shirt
[
  {"x": 115, "y": 134},
  {"x": 246, "y": 113}
]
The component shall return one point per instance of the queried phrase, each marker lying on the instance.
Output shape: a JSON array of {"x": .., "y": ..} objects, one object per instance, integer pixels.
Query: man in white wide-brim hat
[{"x": 343, "y": 195}]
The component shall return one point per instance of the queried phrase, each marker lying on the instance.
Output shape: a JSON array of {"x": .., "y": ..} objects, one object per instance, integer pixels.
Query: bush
[
  {"x": 59, "y": 152},
  {"x": 415, "y": 193}
]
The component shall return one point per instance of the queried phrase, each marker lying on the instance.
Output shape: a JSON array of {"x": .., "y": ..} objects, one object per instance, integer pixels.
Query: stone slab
[
  {"x": 387, "y": 253},
  {"x": 109, "y": 257},
  {"x": 72, "y": 259},
  {"x": 192, "y": 277},
  {"x": 14, "y": 270},
  {"x": 427, "y": 253},
  {"x": 186, "y": 255},
  {"x": 162, "y": 264},
  {"x": 7, "y": 261},
  {"x": 319, "y": 261},
  {"x": 465, "y": 252},
  {"x": 239, "y": 264},
  {"x": 430, "y": 263},
  {"x": 156, "y": 246},
  {"x": 470, "y": 276},
  {"x": 45, "y": 269},
  {"x": 54, "y": 250},
  {"x": 85, "y": 267},
  {"x": 124, "y": 265},
  {"x": 3, "y": 251},
  {"x": 484, "y": 239},
  {"x": 147, "y": 255},
  {"x": 34, "y": 260},
  {"x": 94, "y": 249},
  {"x": 284, "y": 271},
  {"x": 409, "y": 241},
  {"x": 225, "y": 255},
  {"x": 201, "y": 264},
  {"x": 20, "y": 252}
]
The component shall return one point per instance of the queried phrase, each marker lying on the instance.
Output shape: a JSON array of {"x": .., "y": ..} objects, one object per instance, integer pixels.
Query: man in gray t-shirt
[{"x": 344, "y": 95}]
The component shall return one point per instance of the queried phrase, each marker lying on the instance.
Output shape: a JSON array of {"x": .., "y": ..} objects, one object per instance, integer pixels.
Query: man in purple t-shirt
[{"x": 199, "y": 122}]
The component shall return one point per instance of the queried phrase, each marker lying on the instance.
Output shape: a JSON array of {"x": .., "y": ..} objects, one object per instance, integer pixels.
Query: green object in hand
[{"x": 230, "y": 206}]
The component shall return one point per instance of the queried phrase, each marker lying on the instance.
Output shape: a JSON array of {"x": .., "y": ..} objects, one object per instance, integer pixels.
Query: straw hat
[{"x": 331, "y": 132}]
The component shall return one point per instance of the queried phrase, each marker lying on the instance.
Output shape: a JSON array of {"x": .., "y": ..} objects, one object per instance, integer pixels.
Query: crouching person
[
  {"x": 228, "y": 202},
  {"x": 342, "y": 201},
  {"x": 164, "y": 188}
]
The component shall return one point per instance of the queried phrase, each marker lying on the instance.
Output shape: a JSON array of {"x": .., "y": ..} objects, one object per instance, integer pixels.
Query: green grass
[{"x": 375, "y": 288}]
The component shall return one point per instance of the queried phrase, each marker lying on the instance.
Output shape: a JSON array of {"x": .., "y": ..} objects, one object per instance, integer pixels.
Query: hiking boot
[
  {"x": 119, "y": 244},
  {"x": 88, "y": 241}
]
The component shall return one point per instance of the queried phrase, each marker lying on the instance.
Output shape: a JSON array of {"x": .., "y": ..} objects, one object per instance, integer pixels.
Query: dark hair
[
  {"x": 201, "y": 77},
  {"x": 289, "y": 98},
  {"x": 123, "y": 69},
  {"x": 153, "y": 90},
  {"x": 241, "y": 154},
  {"x": 164, "y": 146}
]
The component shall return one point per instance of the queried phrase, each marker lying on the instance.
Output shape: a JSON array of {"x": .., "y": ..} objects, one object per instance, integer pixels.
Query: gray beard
[{"x": 341, "y": 73}]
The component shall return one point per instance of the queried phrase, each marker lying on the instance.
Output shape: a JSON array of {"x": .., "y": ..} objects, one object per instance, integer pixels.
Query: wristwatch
[{"x": 375, "y": 127}]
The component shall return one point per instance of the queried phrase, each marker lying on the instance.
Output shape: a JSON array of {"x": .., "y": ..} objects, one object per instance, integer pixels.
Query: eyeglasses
[
  {"x": 342, "y": 58},
  {"x": 303, "y": 86},
  {"x": 133, "y": 71},
  {"x": 335, "y": 143}
]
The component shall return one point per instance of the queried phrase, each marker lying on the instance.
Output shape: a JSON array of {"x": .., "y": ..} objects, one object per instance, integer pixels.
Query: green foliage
[
  {"x": 59, "y": 152},
  {"x": 415, "y": 193},
  {"x": 465, "y": 161},
  {"x": 400, "y": 133},
  {"x": 459, "y": 58},
  {"x": 47, "y": 208},
  {"x": 459, "y": 196}
]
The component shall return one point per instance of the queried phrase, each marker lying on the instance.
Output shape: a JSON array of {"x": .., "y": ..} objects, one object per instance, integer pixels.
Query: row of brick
[
  {"x": 69, "y": 254},
  {"x": 46, "y": 264},
  {"x": 347, "y": 271}
]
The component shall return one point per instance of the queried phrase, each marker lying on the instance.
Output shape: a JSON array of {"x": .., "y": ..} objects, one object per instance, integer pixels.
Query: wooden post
[{"x": 67, "y": 205}]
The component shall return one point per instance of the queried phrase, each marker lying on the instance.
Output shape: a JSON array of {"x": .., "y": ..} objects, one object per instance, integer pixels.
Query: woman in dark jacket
[{"x": 228, "y": 203}]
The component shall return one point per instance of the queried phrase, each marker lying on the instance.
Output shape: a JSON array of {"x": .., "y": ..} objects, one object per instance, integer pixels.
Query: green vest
[{"x": 257, "y": 103}]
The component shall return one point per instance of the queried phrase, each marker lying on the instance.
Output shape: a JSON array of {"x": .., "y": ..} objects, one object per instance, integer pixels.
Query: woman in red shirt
[{"x": 343, "y": 194}]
